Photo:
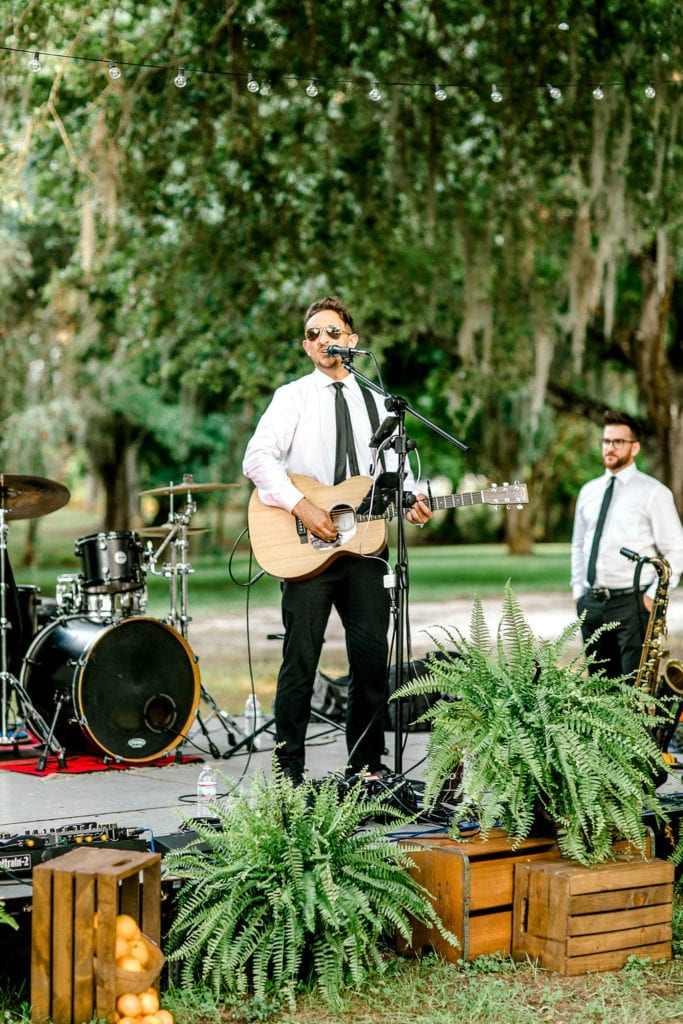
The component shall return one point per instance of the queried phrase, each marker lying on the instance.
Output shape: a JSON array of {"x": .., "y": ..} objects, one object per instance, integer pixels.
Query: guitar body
[{"x": 289, "y": 555}]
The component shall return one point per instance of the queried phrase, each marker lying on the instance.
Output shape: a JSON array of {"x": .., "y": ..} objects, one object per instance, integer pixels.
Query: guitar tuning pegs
[
  {"x": 520, "y": 507},
  {"x": 506, "y": 484}
]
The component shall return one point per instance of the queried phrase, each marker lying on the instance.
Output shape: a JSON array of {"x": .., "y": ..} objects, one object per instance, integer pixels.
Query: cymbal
[
  {"x": 185, "y": 488},
  {"x": 27, "y": 497},
  {"x": 163, "y": 531}
]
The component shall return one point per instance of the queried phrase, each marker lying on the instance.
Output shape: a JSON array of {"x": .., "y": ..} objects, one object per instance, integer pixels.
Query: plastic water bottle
[
  {"x": 207, "y": 788},
  {"x": 253, "y": 719}
]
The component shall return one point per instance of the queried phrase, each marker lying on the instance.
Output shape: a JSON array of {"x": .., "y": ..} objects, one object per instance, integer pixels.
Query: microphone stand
[{"x": 401, "y": 445}]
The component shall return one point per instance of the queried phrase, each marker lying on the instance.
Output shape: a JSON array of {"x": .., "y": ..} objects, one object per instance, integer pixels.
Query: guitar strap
[{"x": 374, "y": 418}]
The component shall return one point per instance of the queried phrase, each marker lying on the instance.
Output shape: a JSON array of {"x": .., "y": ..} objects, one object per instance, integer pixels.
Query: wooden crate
[
  {"x": 67, "y": 892},
  {"x": 471, "y": 883},
  {"x": 574, "y": 919}
]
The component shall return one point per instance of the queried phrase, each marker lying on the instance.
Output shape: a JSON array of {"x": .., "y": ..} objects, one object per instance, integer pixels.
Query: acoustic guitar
[{"x": 285, "y": 549}]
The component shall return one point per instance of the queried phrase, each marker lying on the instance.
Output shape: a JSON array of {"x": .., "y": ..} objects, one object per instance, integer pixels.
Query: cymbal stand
[
  {"x": 178, "y": 569},
  {"x": 28, "y": 712}
]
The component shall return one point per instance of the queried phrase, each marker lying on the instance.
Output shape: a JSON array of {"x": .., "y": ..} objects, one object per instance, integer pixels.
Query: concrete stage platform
[{"x": 151, "y": 798}]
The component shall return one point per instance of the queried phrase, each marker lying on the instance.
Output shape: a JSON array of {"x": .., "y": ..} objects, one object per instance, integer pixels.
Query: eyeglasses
[
  {"x": 332, "y": 331},
  {"x": 616, "y": 442}
]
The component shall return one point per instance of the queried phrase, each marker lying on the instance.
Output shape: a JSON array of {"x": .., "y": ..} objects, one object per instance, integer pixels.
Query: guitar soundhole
[{"x": 345, "y": 518}]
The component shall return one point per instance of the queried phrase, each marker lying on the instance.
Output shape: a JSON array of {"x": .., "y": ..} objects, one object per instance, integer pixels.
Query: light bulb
[
  {"x": 375, "y": 94},
  {"x": 554, "y": 92},
  {"x": 180, "y": 80},
  {"x": 440, "y": 93},
  {"x": 252, "y": 84},
  {"x": 34, "y": 63},
  {"x": 312, "y": 89},
  {"x": 114, "y": 71},
  {"x": 650, "y": 91},
  {"x": 496, "y": 94},
  {"x": 598, "y": 92}
]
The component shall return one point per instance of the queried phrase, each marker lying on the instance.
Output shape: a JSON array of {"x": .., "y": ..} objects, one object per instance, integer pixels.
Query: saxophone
[{"x": 648, "y": 676}]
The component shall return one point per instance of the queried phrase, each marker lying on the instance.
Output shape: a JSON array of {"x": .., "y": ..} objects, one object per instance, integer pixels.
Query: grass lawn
[{"x": 435, "y": 573}]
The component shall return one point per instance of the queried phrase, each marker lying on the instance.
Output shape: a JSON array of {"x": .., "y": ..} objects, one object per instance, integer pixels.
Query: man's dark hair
[
  {"x": 613, "y": 417},
  {"x": 334, "y": 303}
]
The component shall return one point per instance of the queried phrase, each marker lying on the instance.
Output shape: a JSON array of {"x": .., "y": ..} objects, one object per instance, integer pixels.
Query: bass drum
[{"x": 129, "y": 689}]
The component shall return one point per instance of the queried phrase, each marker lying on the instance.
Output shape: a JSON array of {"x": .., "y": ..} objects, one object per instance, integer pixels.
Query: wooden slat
[{"x": 41, "y": 944}]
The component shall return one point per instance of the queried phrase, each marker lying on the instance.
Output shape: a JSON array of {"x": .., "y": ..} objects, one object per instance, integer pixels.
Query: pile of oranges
[
  {"x": 132, "y": 955},
  {"x": 132, "y": 1008},
  {"x": 131, "y": 952}
]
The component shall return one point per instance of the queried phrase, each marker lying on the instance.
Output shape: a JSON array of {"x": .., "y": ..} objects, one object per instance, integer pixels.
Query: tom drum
[
  {"x": 111, "y": 562},
  {"x": 129, "y": 688}
]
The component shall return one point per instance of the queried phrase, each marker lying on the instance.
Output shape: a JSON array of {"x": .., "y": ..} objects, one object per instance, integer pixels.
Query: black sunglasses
[{"x": 332, "y": 331}]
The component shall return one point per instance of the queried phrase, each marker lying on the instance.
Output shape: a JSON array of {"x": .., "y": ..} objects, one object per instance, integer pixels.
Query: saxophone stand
[
  {"x": 398, "y": 587},
  {"x": 177, "y": 571}
]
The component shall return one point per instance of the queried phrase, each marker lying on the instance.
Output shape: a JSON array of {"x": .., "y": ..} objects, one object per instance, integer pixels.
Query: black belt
[{"x": 605, "y": 593}]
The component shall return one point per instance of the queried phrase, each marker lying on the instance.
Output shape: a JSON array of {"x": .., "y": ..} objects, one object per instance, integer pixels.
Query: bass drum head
[{"x": 133, "y": 686}]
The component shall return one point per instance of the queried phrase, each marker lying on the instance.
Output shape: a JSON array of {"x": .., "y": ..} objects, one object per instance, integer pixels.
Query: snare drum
[{"x": 111, "y": 562}]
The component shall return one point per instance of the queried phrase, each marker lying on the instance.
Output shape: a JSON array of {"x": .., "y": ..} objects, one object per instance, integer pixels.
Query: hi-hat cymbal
[
  {"x": 185, "y": 488},
  {"x": 163, "y": 531},
  {"x": 27, "y": 497}
]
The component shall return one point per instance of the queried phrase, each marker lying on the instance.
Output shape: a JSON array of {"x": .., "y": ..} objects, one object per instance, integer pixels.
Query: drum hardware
[
  {"x": 23, "y": 497},
  {"x": 175, "y": 536}
]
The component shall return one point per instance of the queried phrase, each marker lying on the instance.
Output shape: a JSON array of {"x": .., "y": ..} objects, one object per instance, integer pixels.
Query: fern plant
[
  {"x": 528, "y": 735},
  {"x": 295, "y": 885}
]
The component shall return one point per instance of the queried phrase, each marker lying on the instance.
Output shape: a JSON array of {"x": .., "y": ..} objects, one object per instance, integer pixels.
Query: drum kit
[{"x": 98, "y": 674}]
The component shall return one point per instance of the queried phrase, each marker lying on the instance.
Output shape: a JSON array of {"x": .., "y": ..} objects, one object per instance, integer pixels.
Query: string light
[
  {"x": 563, "y": 26},
  {"x": 441, "y": 92}
]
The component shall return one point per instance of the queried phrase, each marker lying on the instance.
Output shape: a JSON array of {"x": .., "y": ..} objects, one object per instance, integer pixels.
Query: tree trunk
[{"x": 113, "y": 446}]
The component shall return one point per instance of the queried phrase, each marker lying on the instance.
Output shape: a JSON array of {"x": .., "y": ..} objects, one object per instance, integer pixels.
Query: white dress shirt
[
  {"x": 297, "y": 434},
  {"x": 642, "y": 516}
]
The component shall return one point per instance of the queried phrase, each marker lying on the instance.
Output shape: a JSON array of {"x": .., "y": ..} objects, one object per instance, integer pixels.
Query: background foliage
[{"x": 515, "y": 265}]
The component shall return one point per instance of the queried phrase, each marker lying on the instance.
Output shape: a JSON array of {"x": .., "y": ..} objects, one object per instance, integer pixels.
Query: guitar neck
[{"x": 435, "y": 504}]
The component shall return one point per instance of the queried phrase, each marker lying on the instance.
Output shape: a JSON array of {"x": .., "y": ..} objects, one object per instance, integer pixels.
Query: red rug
[{"x": 77, "y": 764}]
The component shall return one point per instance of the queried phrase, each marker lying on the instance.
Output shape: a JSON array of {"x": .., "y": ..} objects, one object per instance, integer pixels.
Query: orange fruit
[
  {"x": 138, "y": 949},
  {"x": 165, "y": 1016},
  {"x": 120, "y": 948},
  {"x": 149, "y": 1001},
  {"x": 127, "y": 927},
  {"x": 129, "y": 963},
  {"x": 128, "y": 1005},
  {"x": 128, "y": 1020},
  {"x": 150, "y": 1018}
]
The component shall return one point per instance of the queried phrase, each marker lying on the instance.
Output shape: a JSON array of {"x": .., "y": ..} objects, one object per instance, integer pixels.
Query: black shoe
[{"x": 294, "y": 773}]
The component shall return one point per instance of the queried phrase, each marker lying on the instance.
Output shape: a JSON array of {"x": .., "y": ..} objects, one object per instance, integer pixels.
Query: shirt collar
[{"x": 625, "y": 475}]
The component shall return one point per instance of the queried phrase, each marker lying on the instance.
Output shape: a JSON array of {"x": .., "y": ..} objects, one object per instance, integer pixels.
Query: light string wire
[{"x": 184, "y": 72}]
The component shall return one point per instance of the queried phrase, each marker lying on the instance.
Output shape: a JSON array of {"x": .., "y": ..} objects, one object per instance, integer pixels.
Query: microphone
[
  {"x": 345, "y": 353},
  {"x": 384, "y": 430}
]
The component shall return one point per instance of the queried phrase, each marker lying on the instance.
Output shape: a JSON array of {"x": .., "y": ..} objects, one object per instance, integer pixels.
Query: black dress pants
[
  {"x": 620, "y": 648},
  {"x": 354, "y": 586}
]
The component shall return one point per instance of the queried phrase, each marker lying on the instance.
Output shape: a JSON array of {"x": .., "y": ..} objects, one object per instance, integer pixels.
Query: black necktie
[
  {"x": 345, "y": 447},
  {"x": 607, "y": 497}
]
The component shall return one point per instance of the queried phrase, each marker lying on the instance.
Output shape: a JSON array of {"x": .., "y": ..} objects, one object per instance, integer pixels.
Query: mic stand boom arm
[{"x": 401, "y": 445}]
